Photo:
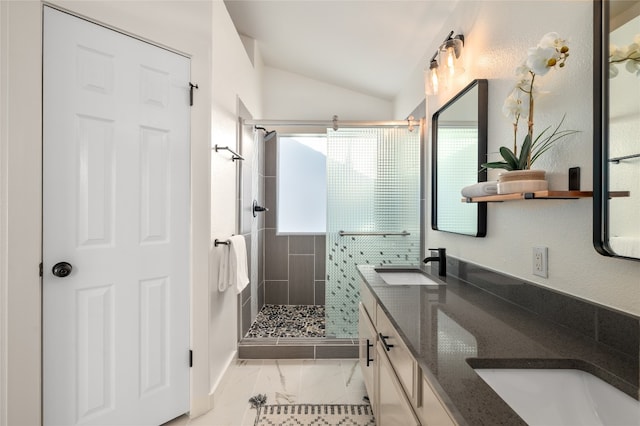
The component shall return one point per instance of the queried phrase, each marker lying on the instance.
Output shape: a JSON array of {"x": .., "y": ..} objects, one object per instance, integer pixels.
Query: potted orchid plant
[
  {"x": 627, "y": 55},
  {"x": 550, "y": 53}
]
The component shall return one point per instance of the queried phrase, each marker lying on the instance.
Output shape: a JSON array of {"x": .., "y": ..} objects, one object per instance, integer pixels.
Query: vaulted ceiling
[{"x": 367, "y": 46}]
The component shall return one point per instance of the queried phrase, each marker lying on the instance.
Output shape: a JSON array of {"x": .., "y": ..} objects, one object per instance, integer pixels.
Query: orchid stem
[{"x": 530, "y": 127}]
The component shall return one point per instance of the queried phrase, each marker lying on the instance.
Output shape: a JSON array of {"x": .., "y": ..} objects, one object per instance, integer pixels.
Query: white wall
[
  {"x": 21, "y": 229},
  {"x": 3, "y": 219},
  {"x": 234, "y": 78},
  {"x": 497, "y": 35},
  {"x": 289, "y": 96},
  {"x": 196, "y": 28}
]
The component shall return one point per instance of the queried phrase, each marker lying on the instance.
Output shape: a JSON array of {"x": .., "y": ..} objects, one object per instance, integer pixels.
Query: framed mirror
[
  {"x": 459, "y": 147},
  {"x": 616, "y": 153}
]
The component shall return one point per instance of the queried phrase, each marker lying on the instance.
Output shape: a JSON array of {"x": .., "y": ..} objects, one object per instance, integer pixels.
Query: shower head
[{"x": 267, "y": 133}]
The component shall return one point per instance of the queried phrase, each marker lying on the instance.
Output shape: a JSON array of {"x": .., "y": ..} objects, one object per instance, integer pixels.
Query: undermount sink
[
  {"x": 405, "y": 277},
  {"x": 562, "y": 397}
]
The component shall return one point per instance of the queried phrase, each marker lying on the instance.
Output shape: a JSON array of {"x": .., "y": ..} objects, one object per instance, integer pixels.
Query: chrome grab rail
[{"x": 383, "y": 234}]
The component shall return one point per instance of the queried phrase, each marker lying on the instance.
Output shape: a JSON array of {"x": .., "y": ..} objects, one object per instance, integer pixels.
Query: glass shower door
[{"x": 373, "y": 213}]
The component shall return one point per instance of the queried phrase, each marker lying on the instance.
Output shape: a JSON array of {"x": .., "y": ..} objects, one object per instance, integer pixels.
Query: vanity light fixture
[
  {"x": 431, "y": 77},
  {"x": 451, "y": 55},
  {"x": 445, "y": 64}
]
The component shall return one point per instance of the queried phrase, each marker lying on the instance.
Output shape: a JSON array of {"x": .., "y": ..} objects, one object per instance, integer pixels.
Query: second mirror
[{"x": 459, "y": 147}]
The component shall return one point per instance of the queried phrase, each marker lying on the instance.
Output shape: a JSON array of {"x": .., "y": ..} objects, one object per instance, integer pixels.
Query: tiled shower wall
[
  {"x": 294, "y": 266},
  {"x": 289, "y": 270}
]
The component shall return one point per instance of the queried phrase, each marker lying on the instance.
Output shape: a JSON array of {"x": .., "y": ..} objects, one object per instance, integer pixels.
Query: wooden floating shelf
[{"x": 540, "y": 195}]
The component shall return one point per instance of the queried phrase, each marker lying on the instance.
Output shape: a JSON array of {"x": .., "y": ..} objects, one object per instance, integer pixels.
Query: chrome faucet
[{"x": 441, "y": 259}]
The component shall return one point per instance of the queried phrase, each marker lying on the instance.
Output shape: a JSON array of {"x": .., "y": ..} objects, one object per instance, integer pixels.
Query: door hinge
[
  {"x": 40, "y": 268},
  {"x": 190, "y": 358},
  {"x": 191, "y": 87}
]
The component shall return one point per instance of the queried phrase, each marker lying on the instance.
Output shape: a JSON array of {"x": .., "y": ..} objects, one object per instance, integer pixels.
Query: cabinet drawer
[
  {"x": 368, "y": 301},
  {"x": 431, "y": 411},
  {"x": 401, "y": 360}
]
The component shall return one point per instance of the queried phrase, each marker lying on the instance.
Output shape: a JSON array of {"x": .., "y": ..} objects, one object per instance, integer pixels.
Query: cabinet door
[
  {"x": 432, "y": 411},
  {"x": 393, "y": 406},
  {"x": 367, "y": 337},
  {"x": 401, "y": 359}
]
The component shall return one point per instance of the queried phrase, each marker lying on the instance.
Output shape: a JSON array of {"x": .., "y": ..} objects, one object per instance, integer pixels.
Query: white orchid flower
[
  {"x": 551, "y": 52},
  {"x": 629, "y": 55},
  {"x": 613, "y": 70},
  {"x": 633, "y": 67},
  {"x": 523, "y": 71},
  {"x": 541, "y": 59},
  {"x": 615, "y": 53},
  {"x": 552, "y": 40},
  {"x": 516, "y": 104},
  {"x": 633, "y": 50}
]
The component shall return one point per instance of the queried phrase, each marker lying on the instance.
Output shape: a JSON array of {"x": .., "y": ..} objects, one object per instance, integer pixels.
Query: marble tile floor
[
  {"x": 288, "y": 321},
  {"x": 331, "y": 381}
]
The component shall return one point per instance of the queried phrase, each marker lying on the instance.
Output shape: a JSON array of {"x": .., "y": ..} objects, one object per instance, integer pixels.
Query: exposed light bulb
[
  {"x": 450, "y": 56},
  {"x": 434, "y": 80},
  {"x": 431, "y": 82},
  {"x": 451, "y": 60}
]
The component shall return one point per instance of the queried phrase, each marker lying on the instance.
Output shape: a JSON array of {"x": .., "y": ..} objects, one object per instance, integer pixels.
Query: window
[{"x": 302, "y": 185}]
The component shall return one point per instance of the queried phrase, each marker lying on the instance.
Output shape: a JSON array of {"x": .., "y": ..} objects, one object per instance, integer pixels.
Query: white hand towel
[
  {"x": 223, "y": 267},
  {"x": 238, "y": 270},
  {"x": 480, "y": 189}
]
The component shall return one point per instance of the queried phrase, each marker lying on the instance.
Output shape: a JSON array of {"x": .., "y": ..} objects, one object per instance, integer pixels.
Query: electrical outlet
[{"x": 540, "y": 262}]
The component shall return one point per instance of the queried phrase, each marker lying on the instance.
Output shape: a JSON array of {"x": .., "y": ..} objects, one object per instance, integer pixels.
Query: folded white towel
[
  {"x": 233, "y": 270},
  {"x": 223, "y": 267},
  {"x": 238, "y": 270},
  {"x": 480, "y": 189},
  {"x": 625, "y": 246}
]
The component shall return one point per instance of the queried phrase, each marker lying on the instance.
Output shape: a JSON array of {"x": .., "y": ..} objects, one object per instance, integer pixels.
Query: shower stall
[{"x": 304, "y": 292}]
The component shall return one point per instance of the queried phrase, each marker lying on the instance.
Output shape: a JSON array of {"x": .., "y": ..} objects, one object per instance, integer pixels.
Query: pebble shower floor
[{"x": 288, "y": 321}]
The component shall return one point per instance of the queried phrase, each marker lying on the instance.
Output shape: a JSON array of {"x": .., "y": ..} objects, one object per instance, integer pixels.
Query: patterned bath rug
[{"x": 315, "y": 415}]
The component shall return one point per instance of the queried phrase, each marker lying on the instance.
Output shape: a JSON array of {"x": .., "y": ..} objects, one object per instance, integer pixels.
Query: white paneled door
[{"x": 116, "y": 227}]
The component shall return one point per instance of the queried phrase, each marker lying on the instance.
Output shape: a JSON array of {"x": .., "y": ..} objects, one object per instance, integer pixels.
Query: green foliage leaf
[
  {"x": 524, "y": 153},
  {"x": 541, "y": 144},
  {"x": 509, "y": 157},
  {"x": 496, "y": 165}
]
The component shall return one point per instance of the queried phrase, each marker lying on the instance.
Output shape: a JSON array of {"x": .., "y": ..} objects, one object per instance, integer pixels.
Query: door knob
[{"x": 61, "y": 269}]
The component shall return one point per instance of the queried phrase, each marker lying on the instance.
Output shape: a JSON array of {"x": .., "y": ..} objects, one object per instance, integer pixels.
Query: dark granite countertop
[{"x": 451, "y": 327}]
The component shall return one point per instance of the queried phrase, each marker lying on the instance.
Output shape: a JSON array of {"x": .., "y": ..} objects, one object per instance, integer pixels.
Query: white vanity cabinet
[{"x": 398, "y": 391}]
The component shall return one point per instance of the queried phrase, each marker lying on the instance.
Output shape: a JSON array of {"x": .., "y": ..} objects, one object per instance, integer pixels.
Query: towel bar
[
  {"x": 234, "y": 155},
  {"x": 381, "y": 234},
  {"x": 217, "y": 242},
  {"x": 617, "y": 160}
]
